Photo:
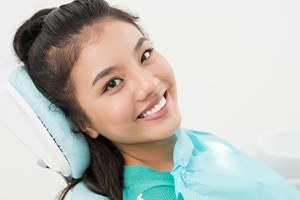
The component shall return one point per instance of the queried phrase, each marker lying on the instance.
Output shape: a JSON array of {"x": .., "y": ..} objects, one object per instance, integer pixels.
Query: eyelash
[
  {"x": 150, "y": 50},
  {"x": 105, "y": 88}
]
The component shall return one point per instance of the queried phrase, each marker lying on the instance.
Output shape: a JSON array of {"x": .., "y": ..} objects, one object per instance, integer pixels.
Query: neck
[{"x": 157, "y": 155}]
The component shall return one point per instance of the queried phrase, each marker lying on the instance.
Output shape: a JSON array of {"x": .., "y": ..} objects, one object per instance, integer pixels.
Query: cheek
[{"x": 112, "y": 110}]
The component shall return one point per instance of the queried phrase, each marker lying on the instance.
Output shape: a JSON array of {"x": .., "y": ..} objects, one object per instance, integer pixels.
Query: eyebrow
[
  {"x": 140, "y": 42},
  {"x": 109, "y": 70},
  {"x": 104, "y": 73}
]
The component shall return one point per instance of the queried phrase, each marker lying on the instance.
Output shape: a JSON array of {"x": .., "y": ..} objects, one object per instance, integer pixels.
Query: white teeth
[{"x": 156, "y": 108}]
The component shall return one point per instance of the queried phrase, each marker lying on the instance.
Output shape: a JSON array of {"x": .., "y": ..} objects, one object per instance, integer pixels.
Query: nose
[{"x": 146, "y": 85}]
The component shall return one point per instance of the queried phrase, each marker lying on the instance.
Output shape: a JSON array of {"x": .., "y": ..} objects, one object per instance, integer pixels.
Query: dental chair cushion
[
  {"x": 72, "y": 145},
  {"x": 81, "y": 192}
]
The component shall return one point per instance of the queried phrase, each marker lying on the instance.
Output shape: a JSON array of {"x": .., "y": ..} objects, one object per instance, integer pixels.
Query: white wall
[{"x": 237, "y": 68}]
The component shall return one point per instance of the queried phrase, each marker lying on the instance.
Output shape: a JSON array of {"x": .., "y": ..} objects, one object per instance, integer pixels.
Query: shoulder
[
  {"x": 215, "y": 165},
  {"x": 204, "y": 139}
]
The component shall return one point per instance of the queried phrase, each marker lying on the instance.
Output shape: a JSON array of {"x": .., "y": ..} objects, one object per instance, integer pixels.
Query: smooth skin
[{"x": 118, "y": 77}]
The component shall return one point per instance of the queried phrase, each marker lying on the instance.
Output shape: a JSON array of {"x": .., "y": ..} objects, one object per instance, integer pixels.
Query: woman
[{"x": 97, "y": 64}]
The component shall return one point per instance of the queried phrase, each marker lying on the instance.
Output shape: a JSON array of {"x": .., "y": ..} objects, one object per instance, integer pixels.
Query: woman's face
[{"x": 125, "y": 87}]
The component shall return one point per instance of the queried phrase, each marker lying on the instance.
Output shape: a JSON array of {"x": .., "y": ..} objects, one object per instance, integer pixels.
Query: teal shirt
[
  {"x": 147, "y": 183},
  {"x": 205, "y": 168}
]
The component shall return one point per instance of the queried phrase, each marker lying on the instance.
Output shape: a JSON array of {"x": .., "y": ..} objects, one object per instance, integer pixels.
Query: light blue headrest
[{"x": 73, "y": 145}]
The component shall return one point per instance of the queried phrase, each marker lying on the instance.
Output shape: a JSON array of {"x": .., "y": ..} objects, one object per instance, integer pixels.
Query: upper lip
[{"x": 152, "y": 103}]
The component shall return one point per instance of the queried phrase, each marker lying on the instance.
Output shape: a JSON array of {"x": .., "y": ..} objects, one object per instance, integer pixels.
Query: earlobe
[{"x": 93, "y": 133}]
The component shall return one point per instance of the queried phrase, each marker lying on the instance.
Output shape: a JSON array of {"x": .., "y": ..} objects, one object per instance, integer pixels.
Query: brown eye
[
  {"x": 146, "y": 54},
  {"x": 112, "y": 84}
]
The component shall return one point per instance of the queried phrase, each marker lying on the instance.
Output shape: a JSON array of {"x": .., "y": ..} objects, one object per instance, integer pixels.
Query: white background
[{"x": 236, "y": 63}]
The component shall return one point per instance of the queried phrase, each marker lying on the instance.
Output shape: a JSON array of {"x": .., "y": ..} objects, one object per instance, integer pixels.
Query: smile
[
  {"x": 156, "y": 108},
  {"x": 159, "y": 109}
]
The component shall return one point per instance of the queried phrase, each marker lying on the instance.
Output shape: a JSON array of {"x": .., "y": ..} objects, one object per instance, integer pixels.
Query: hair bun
[{"x": 27, "y": 34}]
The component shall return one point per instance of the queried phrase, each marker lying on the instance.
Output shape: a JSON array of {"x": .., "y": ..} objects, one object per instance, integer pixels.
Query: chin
[{"x": 172, "y": 125}]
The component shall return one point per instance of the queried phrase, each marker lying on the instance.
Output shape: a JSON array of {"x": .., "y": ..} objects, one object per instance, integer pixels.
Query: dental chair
[{"x": 44, "y": 129}]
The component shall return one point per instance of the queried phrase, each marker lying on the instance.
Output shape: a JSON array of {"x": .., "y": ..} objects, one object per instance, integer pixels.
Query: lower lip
[{"x": 161, "y": 113}]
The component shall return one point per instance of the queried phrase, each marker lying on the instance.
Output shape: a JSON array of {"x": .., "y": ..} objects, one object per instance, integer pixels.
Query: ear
[{"x": 92, "y": 132}]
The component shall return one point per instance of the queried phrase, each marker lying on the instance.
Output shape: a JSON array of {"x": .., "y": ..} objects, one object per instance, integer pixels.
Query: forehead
[
  {"x": 104, "y": 44},
  {"x": 108, "y": 36}
]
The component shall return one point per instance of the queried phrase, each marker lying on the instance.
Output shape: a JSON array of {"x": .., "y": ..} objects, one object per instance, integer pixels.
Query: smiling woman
[
  {"x": 96, "y": 63},
  {"x": 136, "y": 94}
]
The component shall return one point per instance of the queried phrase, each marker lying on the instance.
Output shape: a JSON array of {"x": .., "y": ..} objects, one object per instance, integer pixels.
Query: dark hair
[{"x": 49, "y": 44}]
